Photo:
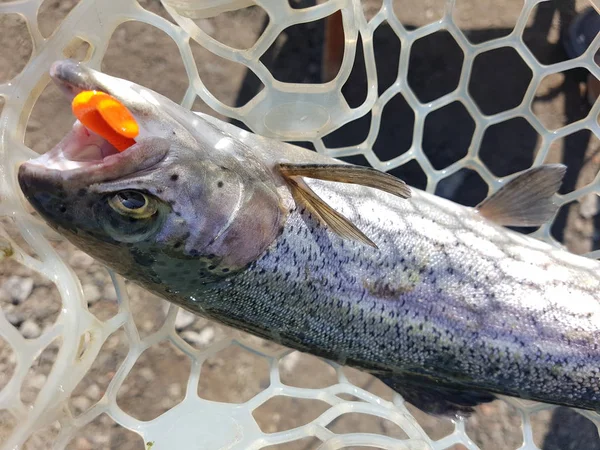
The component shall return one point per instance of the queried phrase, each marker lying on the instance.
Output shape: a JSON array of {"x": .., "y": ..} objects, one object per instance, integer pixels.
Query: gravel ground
[{"x": 158, "y": 380}]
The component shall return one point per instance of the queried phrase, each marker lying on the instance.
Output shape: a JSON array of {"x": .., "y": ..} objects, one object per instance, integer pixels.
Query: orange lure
[{"x": 107, "y": 117}]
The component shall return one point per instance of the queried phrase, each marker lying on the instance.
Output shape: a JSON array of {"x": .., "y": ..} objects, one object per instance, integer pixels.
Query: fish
[{"x": 442, "y": 302}]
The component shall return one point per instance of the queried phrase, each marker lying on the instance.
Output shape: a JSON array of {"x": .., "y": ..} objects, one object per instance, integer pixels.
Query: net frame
[{"x": 83, "y": 334}]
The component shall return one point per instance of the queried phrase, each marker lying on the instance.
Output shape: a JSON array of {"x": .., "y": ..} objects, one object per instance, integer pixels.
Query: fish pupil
[{"x": 131, "y": 199}]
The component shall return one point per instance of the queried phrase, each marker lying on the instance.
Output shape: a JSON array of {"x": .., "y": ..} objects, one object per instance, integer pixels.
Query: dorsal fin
[
  {"x": 336, "y": 222},
  {"x": 526, "y": 200},
  {"x": 345, "y": 173}
]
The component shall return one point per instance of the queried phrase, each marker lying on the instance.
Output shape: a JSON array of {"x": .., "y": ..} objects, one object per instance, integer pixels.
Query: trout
[{"x": 441, "y": 302}]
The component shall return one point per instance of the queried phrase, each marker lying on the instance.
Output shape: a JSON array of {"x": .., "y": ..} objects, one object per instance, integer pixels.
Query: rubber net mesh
[{"x": 79, "y": 382}]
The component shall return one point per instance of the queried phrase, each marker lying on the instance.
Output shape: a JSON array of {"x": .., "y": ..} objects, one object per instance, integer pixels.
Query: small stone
[
  {"x": 174, "y": 390},
  {"x": 38, "y": 380},
  {"x": 81, "y": 403},
  {"x": 146, "y": 373},
  {"x": 82, "y": 443},
  {"x": 588, "y": 206},
  {"x": 94, "y": 392},
  {"x": 14, "y": 318},
  {"x": 80, "y": 260},
  {"x": 184, "y": 319},
  {"x": 101, "y": 438},
  {"x": 17, "y": 289},
  {"x": 109, "y": 293},
  {"x": 289, "y": 363},
  {"x": 30, "y": 330},
  {"x": 91, "y": 293},
  {"x": 148, "y": 326},
  {"x": 204, "y": 338},
  {"x": 207, "y": 26}
]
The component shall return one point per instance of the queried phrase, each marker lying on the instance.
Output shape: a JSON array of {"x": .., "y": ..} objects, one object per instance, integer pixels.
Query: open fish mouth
[
  {"x": 81, "y": 148},
  {"x": 83, "y": 154}
]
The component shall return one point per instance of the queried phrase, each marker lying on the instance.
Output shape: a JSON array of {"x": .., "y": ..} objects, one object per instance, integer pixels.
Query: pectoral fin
[
  {"x": 336, "y": 222},
  {"x": 526, "y": 200},
  {"x": 344, "y": 173}
]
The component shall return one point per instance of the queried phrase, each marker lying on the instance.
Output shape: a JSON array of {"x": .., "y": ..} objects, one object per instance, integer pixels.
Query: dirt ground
[{"x": 159, "y": 378}]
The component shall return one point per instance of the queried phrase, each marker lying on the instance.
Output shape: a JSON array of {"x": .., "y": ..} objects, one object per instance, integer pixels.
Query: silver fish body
[
  {"x": 447, "y": 296},
  {"x": 448, "y": 308}
]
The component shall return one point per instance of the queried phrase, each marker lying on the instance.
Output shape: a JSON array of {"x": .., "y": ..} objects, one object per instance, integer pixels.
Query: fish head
[{"x": 186, "y": 198}]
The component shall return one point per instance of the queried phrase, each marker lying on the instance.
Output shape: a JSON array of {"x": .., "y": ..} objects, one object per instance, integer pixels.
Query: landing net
[{"x": 78, "y": 380}]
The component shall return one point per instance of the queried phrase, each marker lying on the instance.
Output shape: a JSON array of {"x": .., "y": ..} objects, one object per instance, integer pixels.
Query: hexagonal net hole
[
  {"x": 396, "y": 129},
  {"x": 306, "y": 371},
  {"x": 7, "y": 424},
  {"x": 503, "y": 419},
  {"x": 30, "y": 302},
  {"x": 232, "y": 83},
  {"x": 296, "y": 55},
  {"x": 546, "y": 23},
  {"x": 576, "y": 225},
  {"x": 148, "y": 311},
  {"x": 156, "y": 383},
  {"x": 416, "y": 17},
  {"x": 447, "y": 134},
  {"x": 12, "y": 230},
  {"x": 15, "y": 52},
  {"x": 411, "y": 173},
  {"x": 38, "y": 373},
  {"x": 564, "y": 428},
  {"x": 248, "y": 23},
  {"x": 51, "y": 14},
  {"x": 97, "y": 379},
  {"x": 580, "y": 152},
  {"x": 435, "y": 66},
  {"x": 366, "y": 423},
  {"x": 42, "y": 438},
  {"x": 350, "y": 134},
  {"x": 78, "y": 49},
  {"x": 367, "y": 382},
  {"x": 105, "y": 433},
  {"x": 282, "y": 413},
  {"x": 387, "y": 48},
  {"x": 50, "y": 120},
  {"x": 499, "y": 80},
  {"x": 299, "y": 444},
  {"x": 233, "y": 375},
  {"x": 486, "y": 19},
  {"x": 465, "y": 187},
  {"x": 165, "y": 75},
  {"x": 435, "y": 427},
  {"x": 560, "y": 98},
  {"x": 508, "y": 147},
  {"x": 354, "y": 89}
]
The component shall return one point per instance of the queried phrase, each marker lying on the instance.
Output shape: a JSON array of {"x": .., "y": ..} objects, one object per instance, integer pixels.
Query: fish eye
[{"x": 133, "y": 204}]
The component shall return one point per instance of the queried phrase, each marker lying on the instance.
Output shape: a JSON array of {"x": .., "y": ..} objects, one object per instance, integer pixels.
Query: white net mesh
[{"x": 96, "y": 367}]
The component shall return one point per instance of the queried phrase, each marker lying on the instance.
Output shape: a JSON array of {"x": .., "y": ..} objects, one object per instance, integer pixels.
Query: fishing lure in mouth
[{"x": 106, "y": 116}]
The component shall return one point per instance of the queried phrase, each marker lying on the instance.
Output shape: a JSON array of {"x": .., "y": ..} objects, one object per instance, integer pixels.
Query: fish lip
[{"x": 72, "y": 77}]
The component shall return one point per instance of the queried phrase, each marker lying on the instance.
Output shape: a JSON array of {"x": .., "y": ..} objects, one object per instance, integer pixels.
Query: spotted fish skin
[
  {"x": 448, "y": 302},
  {"x": 447, "y": 297}
]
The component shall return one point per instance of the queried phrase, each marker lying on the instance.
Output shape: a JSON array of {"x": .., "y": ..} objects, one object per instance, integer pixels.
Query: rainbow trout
[{"x": 439, "y": 301}]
